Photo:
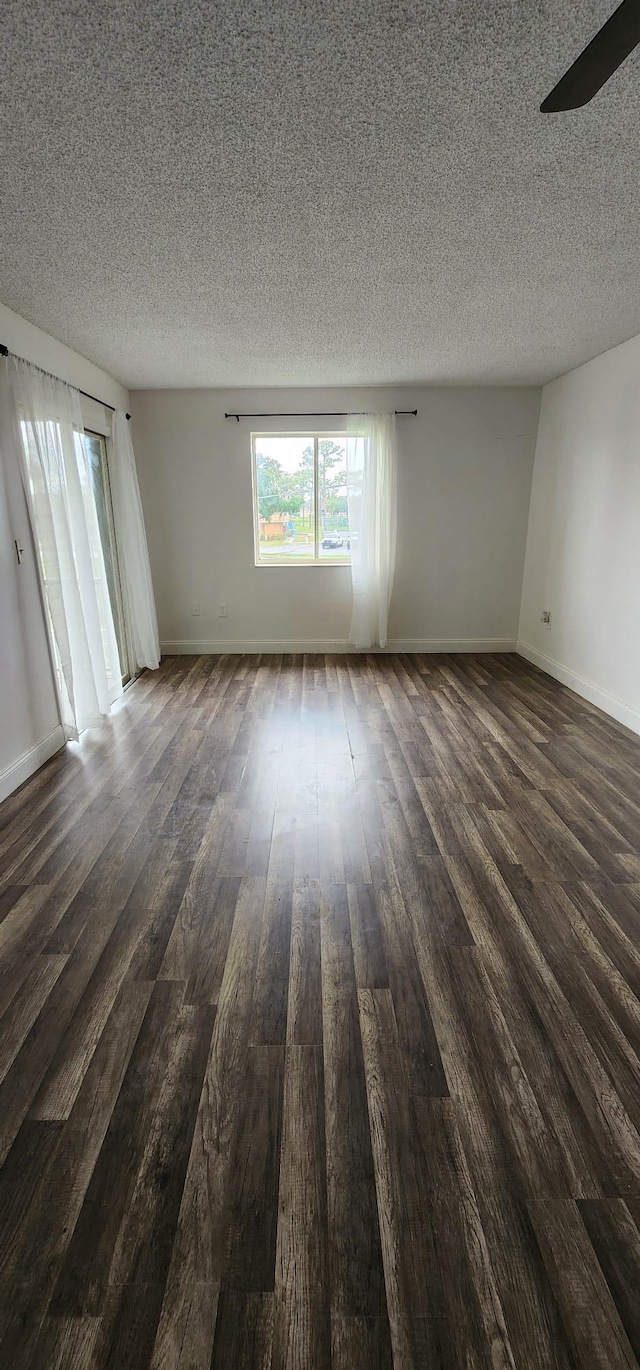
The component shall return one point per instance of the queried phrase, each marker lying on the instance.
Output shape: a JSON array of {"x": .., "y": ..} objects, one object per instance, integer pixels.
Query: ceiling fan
[{"x": 602, "y": 56}]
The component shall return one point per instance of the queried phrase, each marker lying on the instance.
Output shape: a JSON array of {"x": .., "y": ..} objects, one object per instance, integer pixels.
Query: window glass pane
[
  {"x": 95, "y": 450},
  {"x": 332, "y": 499},
  {"x": 284, "y": 491}
]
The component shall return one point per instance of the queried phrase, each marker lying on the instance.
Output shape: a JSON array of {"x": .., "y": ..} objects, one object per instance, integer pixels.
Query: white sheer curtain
[
  {"x": 371, "y": 493},
  {"x": 133, "y": 555},
  {"x": 49, "y": 435}
]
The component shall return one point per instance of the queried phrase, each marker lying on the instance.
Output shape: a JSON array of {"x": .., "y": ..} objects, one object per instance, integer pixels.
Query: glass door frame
[{"x": 119, "y": 617}]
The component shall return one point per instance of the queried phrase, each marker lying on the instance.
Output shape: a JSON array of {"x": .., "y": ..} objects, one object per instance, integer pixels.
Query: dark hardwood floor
[{"x": 320, "y": 1026}]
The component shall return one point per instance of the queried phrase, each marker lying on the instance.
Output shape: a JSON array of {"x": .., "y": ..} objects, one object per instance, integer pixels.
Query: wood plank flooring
[{"x": 320, "y": 1025}]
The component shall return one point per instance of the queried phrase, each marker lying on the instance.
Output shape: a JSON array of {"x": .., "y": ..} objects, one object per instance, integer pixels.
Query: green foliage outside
[{"x": 277, "y": 493}]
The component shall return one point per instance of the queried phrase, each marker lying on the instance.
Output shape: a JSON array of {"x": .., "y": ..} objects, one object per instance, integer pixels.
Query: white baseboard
[
  {"x": 228, "y": 647},
  {"x": 195, "y": 647},
  {"x": 623, "y": 713},
  {"x": 19, "y": 771},
  {"x": 453, "y": 644}
]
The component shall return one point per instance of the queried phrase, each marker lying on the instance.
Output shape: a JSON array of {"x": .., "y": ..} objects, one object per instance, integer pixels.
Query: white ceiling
[{"x": 317, "y": 191}]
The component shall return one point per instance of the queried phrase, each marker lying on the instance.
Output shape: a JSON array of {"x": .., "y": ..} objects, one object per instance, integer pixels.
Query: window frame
[{"x": 315, "y": 435}]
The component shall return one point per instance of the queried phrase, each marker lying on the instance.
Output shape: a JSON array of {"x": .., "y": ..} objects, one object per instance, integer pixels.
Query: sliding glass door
[{"x": 96, "y": 449}]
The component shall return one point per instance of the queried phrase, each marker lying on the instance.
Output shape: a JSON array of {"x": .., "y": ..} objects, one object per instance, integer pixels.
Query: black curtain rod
[
  {"x": 4, "y": 352},
  {"x": 317, "y": 414}
]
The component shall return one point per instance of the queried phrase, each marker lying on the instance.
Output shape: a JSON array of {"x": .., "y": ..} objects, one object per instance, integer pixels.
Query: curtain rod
[
  {"x": 4, "y": 352},
  {"x": 317, "y": 414}
]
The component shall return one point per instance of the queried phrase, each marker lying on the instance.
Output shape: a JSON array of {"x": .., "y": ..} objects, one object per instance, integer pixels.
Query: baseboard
[
  {"x": 20, "y": 770},
  {"x": 229, "y": 647},
  {"x": 195, "y": 647},
  {"x": 453, "y": 644},
  {"x": 623, "y": 713}
]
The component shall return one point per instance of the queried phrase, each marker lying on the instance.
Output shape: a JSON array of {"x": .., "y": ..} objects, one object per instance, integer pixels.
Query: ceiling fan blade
[{"x": 612, "y": 43}]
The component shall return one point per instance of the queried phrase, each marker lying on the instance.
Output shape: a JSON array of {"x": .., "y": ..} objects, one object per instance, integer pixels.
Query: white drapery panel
[
  {"x": 371, "y": 494},
  {"x": 133, "y": 554},
  {"x": 49, "y": 435}
]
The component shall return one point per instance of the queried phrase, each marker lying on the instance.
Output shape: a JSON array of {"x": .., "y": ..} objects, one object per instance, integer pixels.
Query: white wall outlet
[
  {"x": 223, "y": 611},
  {"x": 545, "y": 618},
  {"x": 195, "y": 610}
]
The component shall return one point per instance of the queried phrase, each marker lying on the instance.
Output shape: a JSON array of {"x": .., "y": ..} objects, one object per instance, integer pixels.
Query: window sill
[{"x": 292, "y": 564}]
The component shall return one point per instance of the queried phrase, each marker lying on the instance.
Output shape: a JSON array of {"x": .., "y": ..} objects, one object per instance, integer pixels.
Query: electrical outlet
[
  {"x": 223, "y": 611},
  {"x": 195, "y": 610},
  {"x": 545, "y": 618}
]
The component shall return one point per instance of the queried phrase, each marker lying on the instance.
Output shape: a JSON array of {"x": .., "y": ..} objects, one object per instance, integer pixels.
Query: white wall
[
  {"x": 464, "y": 481},
  {"x": 29, "y": 724},
  {"x": 583, "y": 545}
]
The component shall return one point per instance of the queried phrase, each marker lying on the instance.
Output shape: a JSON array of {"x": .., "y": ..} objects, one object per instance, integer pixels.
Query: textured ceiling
[{"x": 316, "y": 193}]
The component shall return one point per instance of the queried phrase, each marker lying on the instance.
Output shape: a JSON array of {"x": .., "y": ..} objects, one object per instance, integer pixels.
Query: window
[
  {"x": 96, "y": 451},
  {"x": 300, "y": 510}
]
